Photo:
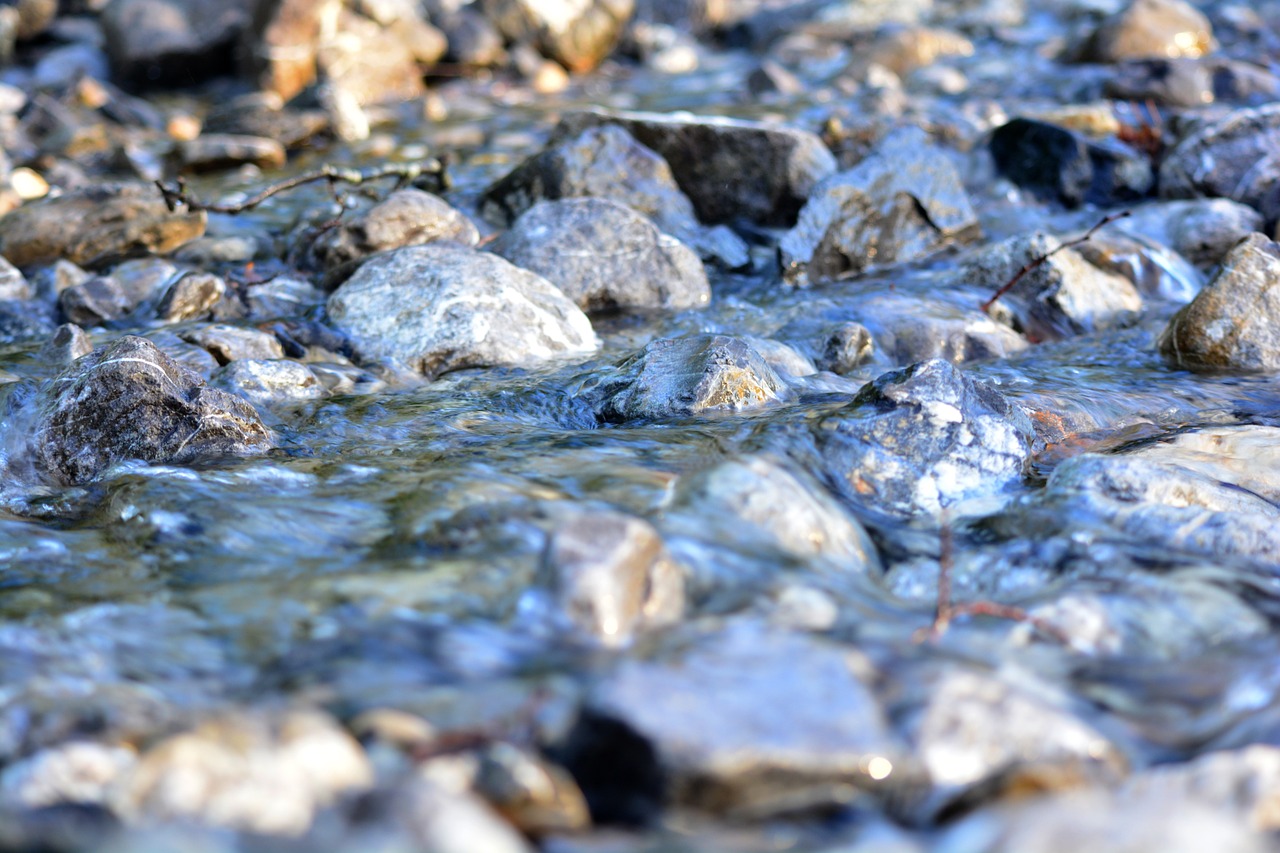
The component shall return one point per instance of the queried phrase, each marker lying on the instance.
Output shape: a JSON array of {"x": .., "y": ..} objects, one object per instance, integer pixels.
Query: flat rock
[
  {"x": 730, "y": 169},
  {"x": 1234, "y": 322},
  {"x": 1234, "y": 157},
  {"x": 1150, "y": 28},
  {"x": 1057, "y": 164},
  {"x": 903, "y": 202},
  {"x": 232, "y": 343},
  {"x": 924, "y": 439},
  {"x": 605, "y": 256},
  {"x": 442, "y": 307},
  {"x": 128, "y": 400},
  {"x": 96, "y": 225}
]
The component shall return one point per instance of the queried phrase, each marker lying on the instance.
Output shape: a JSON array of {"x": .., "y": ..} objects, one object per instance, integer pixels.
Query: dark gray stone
[
  {"x": 172, "y": 42},
  {"x": 98, "y": 300},
  {"x": 925, "y": 439},
  {"x": 128, "y": 400},
  {"x": 232, "y": 343},
  {"x": 214, "y": 152},
  {"x": 67, "y": 343},
  {"x": 903, "y": 202},
  {"x": 605, "y": 256},
  {"x": 24, "y": 319},
  {"x": 1057, "y": 164},
  {"x": 1192, "y": 83},
  {"x": 1234, "y": 157},
  {"x": 263, "y": 114}
]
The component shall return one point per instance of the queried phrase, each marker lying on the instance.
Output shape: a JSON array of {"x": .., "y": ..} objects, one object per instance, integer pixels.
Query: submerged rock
[
  {"x": 1201, "y": 230},
  {"x": 605, "y": 256},
  {"x": 1234, "y": 322},
  {"x": 901, "y": 203},
  {"x": 924, "y": 439},
  {"x": 681, "y": 377},
  {"x": 443, "y": 307},
  {"x": 128, "y": 400},
  {"x": 1232, "y": 157},
  {"x": 1057, "y": 164},
  {"x": 269, "y": 382}
]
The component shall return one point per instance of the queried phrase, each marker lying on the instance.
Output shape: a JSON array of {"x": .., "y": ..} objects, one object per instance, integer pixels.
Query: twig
[
  {"x": 1040, "y": 259},
  {"x": 430, "y": 172}
]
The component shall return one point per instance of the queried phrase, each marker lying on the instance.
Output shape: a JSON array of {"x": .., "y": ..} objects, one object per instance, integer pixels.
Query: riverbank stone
[
  {"x": 162, "y": 42},
  {"x": 407, "y": 217},
  {"x": 1231, "y": 157},
  {"x": 1150, "y": 28},
  {"x": 1056, "y": 164},
  {"x": 577, "y": 35},
  {"x": 440, "y": 307}
]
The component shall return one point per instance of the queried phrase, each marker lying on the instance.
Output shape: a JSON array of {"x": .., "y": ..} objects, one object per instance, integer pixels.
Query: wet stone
[
  {"x": 1232, "y": 322},
  {"x": 13, "y": 284},
  {"x": 1240, "y": 782},
  {"x": 159, "y": 42},
  {"x": 537, "y": 797},
  {"x": 901, "y": 203},
  {"x": 67, "y": 343},
  {"x": 128, "y": 400},
  {"x": 1201, "y": 230},
  {"x": 577, "y": 36},
  {"x": 440, "y": 308},
  {"x": 96, "y": 301},
  {"x": 605, "y": 256},
  {"x": 74, "y": 772},
  {"x": 232, "y": 343},
  {"x": 1057, "y": 164},
  {"x": 846, "y": 348},
  {"x": 268, "y": 383},
  {"x": 24, "y": 319},
  {"x": 924, "y": 439},
  {"x": 1150, "y": 28},
  {"x": 1233, "y": 157},
  {"x": 263, "y": 114},
  {"x": 212, "y": 152},
  {"x": 406, "y": 217},
  {"x": 687, "y": 376},
  {"x": 193, "y": 295}
]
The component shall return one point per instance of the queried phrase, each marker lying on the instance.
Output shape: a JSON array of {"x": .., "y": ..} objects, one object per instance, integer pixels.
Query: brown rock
[
  {"x": 373, "y": 64},
  {"x": 214, "y": 151},
  {"x": 1151, "y": 28},
  {"x": 578, "y": 35},
  {"x": 280, "y": 47}
]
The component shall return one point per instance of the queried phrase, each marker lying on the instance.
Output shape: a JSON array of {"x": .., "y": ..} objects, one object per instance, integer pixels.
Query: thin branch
[
  {"x": 430, "y": 172},
  {"x": 1040, "y": 259}
]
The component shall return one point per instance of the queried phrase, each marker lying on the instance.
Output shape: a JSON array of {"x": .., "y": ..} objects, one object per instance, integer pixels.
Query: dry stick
[
  {"x": 404, "y": 173},
  {"x": 1040, "y": 259}
]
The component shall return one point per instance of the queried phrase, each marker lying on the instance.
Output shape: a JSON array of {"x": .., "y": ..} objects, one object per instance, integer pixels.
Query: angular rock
[
  {"x": 1192, "y": 82},
  {"x": 901, "y": 203},
  {"x": 1057, "y": 164},
  {"x": 473, "y": 41},
  {"x": 924, "y": 439},
  {"x": 1233, "y": 157},
  {"x": 687, "y": 376},
  {"x": 192, "y": 295},
  {"x": 13, "y": 284},
  {"x": 128, "y": 400},
  {"x": 612, "y": 576},
  {"x": 1150, "y": 28},
  {"x": 441, "y": 307},
  {"x": 279, "y": 48},
  {"x": 96, "y": 225},
  {"x": 730, "y": 169},
  {"x": 605, "y": 256},
  {"x": 1063, "y": 296},
  {"x": 232, "y": 343},
  {"x": 167, "y": 42},
  {"x": 212, "y": 152},
  {"x": 67, "y": 343},
  {"x": 98, "y": 300},
  {"x": 405, "y": 218},
  {"x": 1234, "y": 322},
  {"x": 846, "y": 348},
  {"x": 578, "y": 35}
]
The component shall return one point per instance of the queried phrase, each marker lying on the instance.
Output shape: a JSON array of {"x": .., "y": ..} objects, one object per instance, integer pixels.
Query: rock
[
  {"x": 781, "y": 724},
  {"x": 212, "y": 152},
  {"x": 452, "y": 821},
  {"x": 282, "y": 296},
  {"x": 783, "y": 358},
  {"x": 33, "y": 16},
  {"x": 13, "y": 284},
  {"x": 924, "y": 439},
  {"x": 406, "y": 217},
  {"x": 98, "y": 300},
  {"x": 1192, "y": 82},
  {"x": 269, "y": 382},
  {"x": 1059, "y": 165},
  {"x": 605, "y": 256},
  {"x": 128, "y": 400},
  {"x": 1063, "y": 296},
  {"x": 1240, "y": 783},
  {"x": 612, "y": 576},
  {"x": 685, "y": 377},
  {"x": 1150, "y": 28},
  {"x": 441, "y": 308},
  {"x": 846, "y": 348},
  {"x": 191, "y": 296},
  {"x": 760, "y": 498},
  {"x": 1233, "y": 157},
  {"x": 279, "y": 48},
  {"x": 49, "y": 281},
  {"x": 373, "y": 64},
  {"x": 1201, "y": 230},
  {"x": 730, "y": 169},
  {"x": 232, "y": 343},
  {"x": 96, "y": 225},
  {"x": 264, "y": 115},
  {"x": 261, "y": 774},
  {"x": 67, "y": 343},
  {"x": 473, "y": 40},
  {"x": 535, "y": 796},
  {"x": 607, "y": 162},
  {"x": 578, "y": 35},
  {"x": 1232, "y": 322},
  {"x": 901, "y": 203},
  {"x": 163, "y": 42},
  {"x": 75, "y": 772},
  {"x": 24, "y": 319}
]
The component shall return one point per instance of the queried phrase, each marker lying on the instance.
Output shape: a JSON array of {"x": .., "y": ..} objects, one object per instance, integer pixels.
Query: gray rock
[
  {"x": 1201, "y": 230},
  {"x": 1233, "y": 322},
  {"x": 1233, "y": 157},
  {"x": 1150, "y": 28},
  {"x": 1063, "y": 296},
  {"x": 278, "y": 50},
  {"x": 605, "y": 256},
  {"x": 406, "y": 217},
  {"x": 94, "y": 302},
  {"x": 74, "y": 772},
  {"x": 232, "y": 343},
  {"x": 924, "y": 439},
  {"x": 687, "y": 376},
  {"x": 578, "y": 36},
  {"x": 607, "y": 162},
  {"x": 263, "y": 114},
  {"x": 1192, "y": 83},
  {"x": 907, "y": 329},
  {"x": 282, "y": 296},
  {"x": 441, "y": 308},
  {"x": 269, "y": 382},
  {"x": 1239, "y": 783},
  {"x": 1059, "y": 165},
  {"x": 847, "y": 347},
  {"x": 193, "y": 295},
  {"x": 96, "y": 225},
  {"x": 24, "y": 319},
  {"x": 67, "y": 343},
  {"x": 730, "y": 169},
  {"x": 49, "y": 281},
  {"x": 155, "y": 42},
  {"x": 128, "y": 400},
  {"x": 783, "y": 358},
  {"x": 13, "y": 284},
  {"x": 214, "y": 152},
  {"x": 903, "y": 202},
  {"x": 369, "y": 63}
]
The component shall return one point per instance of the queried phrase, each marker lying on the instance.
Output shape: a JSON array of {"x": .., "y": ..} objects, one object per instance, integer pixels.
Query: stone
[
  {"x": 1059, "y": 165},
  {"x": 371, "y": 63},
  {"x": 74, "y": 772},
  {"x": 846, "y": 348},
  {"x": 1232, "y": 322},
  {"x": 1191, "y": 83},
  {"x": 98, "y": 300},
  {"x": 128, "y": 400},
  {"x": 918, "y": 441},
  {"x": 264, "y": 115},
  {"x": 535, "y": 796},
  {"x": 578, "y": 35},
  {"x": 269, "y": 382},
  {"x": 605, "y": 256},
  {"x": 213, "y": 152},
  {"x": 191, "y": 296},
  {"x": 67, "y": 343},
  {"x": 1061, "y": 297},
  {"x": 442, "y": 307},
  {"x": 96, "y": 225},
  {"x": 686, "y": 377},
  {"x": 33, "y": 16},
  {"x": 611, "y": 576},
  {"x": 13, "y": 284},
  {"x": 1243, "y": 783},
  {"x": 1150, "y": 28},
  {"x": 902, "y": 203},
  {"x": 24, "y": 319},
  {"x": 406, "y": 217},
  {"x": 446, "y": 820},
  {"x": 279, "y": 49},
  {"x": 232, "y": 343},
  {"x": 730, "y": 169},
  {"x": 1232, "y": 157},
  {"x": 1201, "y": 230},
  {"x": 473, "y": 40},
  {"x": 282, "y": 296},
  {"x": 162, "y": 42}
]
